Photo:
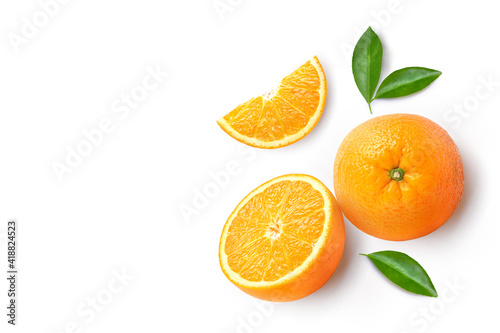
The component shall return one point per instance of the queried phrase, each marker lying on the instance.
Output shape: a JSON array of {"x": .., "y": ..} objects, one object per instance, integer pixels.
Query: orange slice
[
  {"x": 284, "y": 240},
  {"x": 284, "y": 115}
]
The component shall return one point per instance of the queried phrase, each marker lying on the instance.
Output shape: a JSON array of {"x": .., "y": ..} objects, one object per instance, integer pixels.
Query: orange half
[
  {"x": 284, "y": 240},
  {"x": 284, "y": 115}
]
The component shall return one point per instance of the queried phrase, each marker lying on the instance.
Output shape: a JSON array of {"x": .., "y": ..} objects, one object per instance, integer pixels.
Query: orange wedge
[
  {"x": 284, "y": 240},
  {"x": 284, "y": 115}
]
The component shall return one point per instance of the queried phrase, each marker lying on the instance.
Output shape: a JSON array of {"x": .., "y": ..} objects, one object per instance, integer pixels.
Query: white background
[{"x": 119, "y": 209}]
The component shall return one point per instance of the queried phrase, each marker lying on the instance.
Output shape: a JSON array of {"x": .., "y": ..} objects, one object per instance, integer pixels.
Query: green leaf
[
  {"x": 406, "y": 81},
  {"x": 403, "y": 271},
  {"x": 367, "y": 64}
]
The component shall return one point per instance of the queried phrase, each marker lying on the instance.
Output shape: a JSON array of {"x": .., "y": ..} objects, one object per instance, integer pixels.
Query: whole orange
[{"x": 398, "y": 177}]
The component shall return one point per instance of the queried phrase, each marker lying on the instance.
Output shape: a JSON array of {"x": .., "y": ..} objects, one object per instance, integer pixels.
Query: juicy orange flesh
[
  {"x": 275, "y": 231},
  {"x": 284, "y": 113}
]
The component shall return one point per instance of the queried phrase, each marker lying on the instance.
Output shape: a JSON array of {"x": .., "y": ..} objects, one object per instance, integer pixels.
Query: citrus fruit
[
  {"x": 284, "y": 115},
  {"x": 398, "y": 177},
  {"x": 284, "y": 240}
]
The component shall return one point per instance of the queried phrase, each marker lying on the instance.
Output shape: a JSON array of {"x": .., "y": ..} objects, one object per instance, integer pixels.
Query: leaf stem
[{"x": 370, "y": 107}]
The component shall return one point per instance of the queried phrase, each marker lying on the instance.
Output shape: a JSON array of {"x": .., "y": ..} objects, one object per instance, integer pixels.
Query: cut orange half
[
  {"x": 284, "y": 115},
  {"x": 284, "y": 240}
]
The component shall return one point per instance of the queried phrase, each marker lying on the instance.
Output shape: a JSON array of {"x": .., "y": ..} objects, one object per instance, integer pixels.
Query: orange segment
[
  {"x": 282, "y": 116},
  {"x": 298, "y": 251},
  {"x": 307, "y": 228},
  {"x": 305, "y": 101},
  {"x": 246, "y": 117},
  {"x": 278, "y": 262},
  {"x": 284, "y": 240},
  {"x": 304, "y": 77},
  {"x": 251, "y": 268},
  {"x": 292, "y": 119},
  {"x": 242, "y": 234},
  {"x": 269, "y": 127}
]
